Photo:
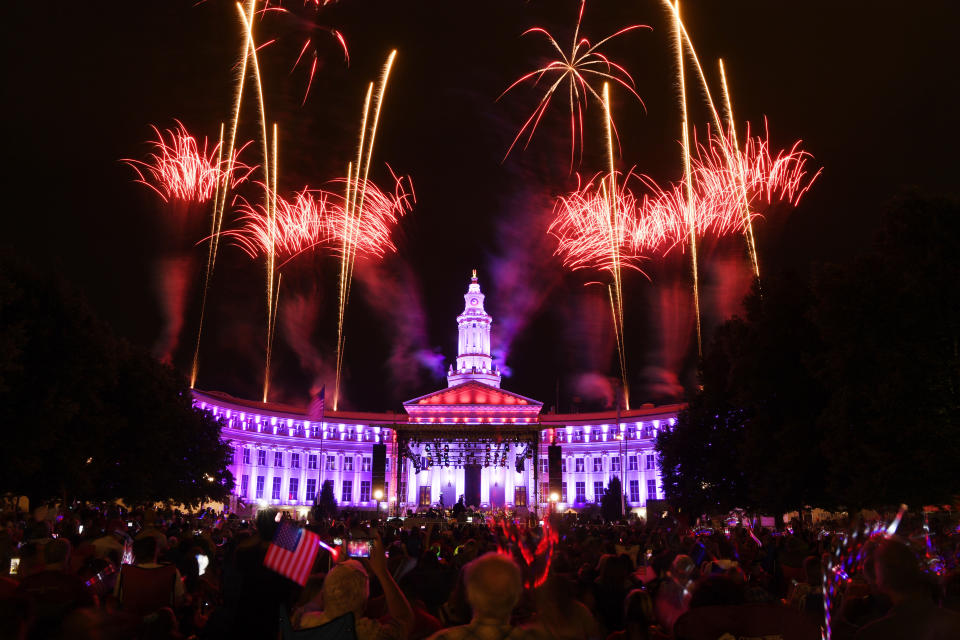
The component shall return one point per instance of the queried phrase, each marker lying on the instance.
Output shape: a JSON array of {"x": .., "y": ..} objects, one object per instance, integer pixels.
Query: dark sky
[{"x": 870, "y": 87}]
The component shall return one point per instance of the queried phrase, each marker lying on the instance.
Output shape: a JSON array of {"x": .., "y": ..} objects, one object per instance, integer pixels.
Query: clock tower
[{"x": 473, "y": 348}]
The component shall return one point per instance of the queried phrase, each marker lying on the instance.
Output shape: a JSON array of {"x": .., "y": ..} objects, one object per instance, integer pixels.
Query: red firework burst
[{"x": 575, "y": 68}]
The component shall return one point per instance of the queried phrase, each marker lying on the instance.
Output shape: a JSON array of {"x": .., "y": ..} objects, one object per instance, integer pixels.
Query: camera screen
[{"x": 359, "y": 548}]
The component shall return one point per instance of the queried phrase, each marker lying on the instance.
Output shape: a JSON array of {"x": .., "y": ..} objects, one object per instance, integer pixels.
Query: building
[{"x": 472, "y": 439}]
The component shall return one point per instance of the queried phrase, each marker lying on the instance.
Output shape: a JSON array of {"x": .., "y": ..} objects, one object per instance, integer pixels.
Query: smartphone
[
  {"x": 337, "y": 542},
  {"x": 129, "y": 523},
  {"x": 80, "y": 530},
  {"x": 14, "y": 566},
  {"x": 203, "y": 562},
  {"x": 359, "y": 548}
]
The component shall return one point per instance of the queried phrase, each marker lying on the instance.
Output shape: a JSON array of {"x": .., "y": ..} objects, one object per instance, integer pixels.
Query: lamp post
[{"x": 378, "y": 496}]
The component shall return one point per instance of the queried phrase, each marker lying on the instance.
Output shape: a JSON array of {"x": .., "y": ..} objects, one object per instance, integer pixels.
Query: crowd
[{"x": 110, "y": 573}]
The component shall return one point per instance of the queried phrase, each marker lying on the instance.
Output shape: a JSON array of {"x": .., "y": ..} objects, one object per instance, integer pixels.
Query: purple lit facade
[{"x": 282, "y": 458}]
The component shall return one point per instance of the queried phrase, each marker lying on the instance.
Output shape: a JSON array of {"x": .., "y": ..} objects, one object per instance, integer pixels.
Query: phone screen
[
  {"x": 359, "y": 548},
  {"x": 14, "y": 566},
  {"x": 203, "y": 562}
]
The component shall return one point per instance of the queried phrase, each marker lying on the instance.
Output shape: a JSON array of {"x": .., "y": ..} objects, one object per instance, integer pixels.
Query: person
[
  {"x": 346, "y": 589},
  {"x": 52, "y": 592},
  {"x": 147, "y": 586},
  {"x": 673, "y": 597},
  {"x": 914, "y": 613},
  {"x": 494, "y": 587},
  {"x": 560, "y": 615}
]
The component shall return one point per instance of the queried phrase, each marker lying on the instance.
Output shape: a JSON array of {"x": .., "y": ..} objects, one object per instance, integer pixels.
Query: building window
[
  {"x": 425, "y": 496},
  {"x": 244, "y": 481},
  {"x": 634, "y": 491},
  {"x": 578, "y": 436},
  {"x": 597, "y": 465},
  {"x": 563, "y": 492},
  {"x": 311, "y": 489},
  {"x": 579, "y": 465},
  {"x": 347, "y": 494},
  {"x": 259, "y": 487},
  {"x": 386, "y": 465},
  {"x": 276, "y": 489},
  {"x": 278, "y": 458},
  {"x": 520, "y": 496},
  {"x": 294, "y": 489},
  {"x": 312, "y": 461},
  {"x": 365, "y": 464},
  {"x": 423, "y": 462},
  {"x": 261, "y": 458},
  {"x": 331, "y": 463},
  {"x": 597, "y": 490},
  {"x": 294, "y": 460},
  {"x": 648, "y": 431},
  {"x": 544, "y": 465},
  {"x": 615, "y": 464},
  {"x": 365, "y": 490},
  {"x": 651, "y": 461},
  {"x": 632, "y": 463},
  {"x": 348, "y": 463},
  {"x": 631, "y": 433},
  {"x": 246, "y": 456},
  {"x": 386, "y": 491},
  {"x": 544, "y": 492},
  {"x": 651, "y": 489},
  {"x": 563, "y": 465},
  {"x": 581, "y": 488}
]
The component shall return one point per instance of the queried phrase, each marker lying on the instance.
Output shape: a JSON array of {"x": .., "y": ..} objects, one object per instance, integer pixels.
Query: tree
[
  {"x": 611, "y": 504},
  {"x": 89, "y": 416},
  {"x": 325, "y": 505},
  {"x": 891, "y": 325}
]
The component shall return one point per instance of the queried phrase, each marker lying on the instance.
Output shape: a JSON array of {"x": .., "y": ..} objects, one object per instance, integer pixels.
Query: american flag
[
  {"x": 316, "y": 405},
  {"x": 292, "y": 552}
]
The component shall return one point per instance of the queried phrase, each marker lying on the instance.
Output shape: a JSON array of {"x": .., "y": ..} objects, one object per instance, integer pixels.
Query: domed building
[{"x": 472, "y": 439}]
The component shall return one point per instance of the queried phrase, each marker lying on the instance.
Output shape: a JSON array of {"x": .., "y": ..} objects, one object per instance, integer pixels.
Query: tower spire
[{"x": 474, "y": 361}]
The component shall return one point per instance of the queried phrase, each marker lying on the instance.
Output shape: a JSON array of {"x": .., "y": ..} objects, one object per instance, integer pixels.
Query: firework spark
[
  {"x": 354, "y": 207},
  {"x": 306, "y": 23},
  {"x": 576, "y": 68},
  {"x": 180, "y": 169},
  {"x": 317, "y": 219}
]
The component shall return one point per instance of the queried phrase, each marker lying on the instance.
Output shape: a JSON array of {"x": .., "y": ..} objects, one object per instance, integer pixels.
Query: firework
[
  {"x": 179, "y": 169},
  {"x": 576, "y": 68},
  {"x": 354, "y": 206},
  {"x": 306, "y": 23},
  {"x": 317, "y": 219}
]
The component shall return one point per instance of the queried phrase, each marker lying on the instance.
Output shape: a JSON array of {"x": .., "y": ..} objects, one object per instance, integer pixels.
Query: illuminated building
[{"x": 472, "y": 439}]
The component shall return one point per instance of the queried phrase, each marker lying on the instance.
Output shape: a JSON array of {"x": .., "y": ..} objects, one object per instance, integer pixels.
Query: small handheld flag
[{"x": 292, "y": 552}]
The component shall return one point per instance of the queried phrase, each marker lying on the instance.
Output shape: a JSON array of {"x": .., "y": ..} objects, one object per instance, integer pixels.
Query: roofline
[
  {"x": 227, "y": 401},
  {"x": 298, "y": 413},
  {"x": 433, "y": 393},
  {"x": 611, "y": 415}
]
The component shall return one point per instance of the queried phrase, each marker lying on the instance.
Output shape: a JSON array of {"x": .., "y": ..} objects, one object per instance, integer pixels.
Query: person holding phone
[{"x": 346, "y": 590}]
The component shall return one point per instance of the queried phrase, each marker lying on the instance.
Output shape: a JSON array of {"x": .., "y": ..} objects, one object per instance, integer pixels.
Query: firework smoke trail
[
  {"x": 688, "y": 175},
  {"x": 355, "y": 211},
  {"x": 214, "y": 232},
  {"x": 269, "y": 193},
  {"x": 731, "y": 124},
  {"x": 574, "y": 67},
  {"x": 182, "y": 174},
  {"x": 616, "y": 292}
]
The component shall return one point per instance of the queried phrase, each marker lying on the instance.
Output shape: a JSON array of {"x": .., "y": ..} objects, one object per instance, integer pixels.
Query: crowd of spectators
[{"x": 111, "y": 573}]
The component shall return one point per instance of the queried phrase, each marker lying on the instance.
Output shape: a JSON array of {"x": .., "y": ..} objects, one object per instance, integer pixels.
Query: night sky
[{"x": 870, "y": 87}]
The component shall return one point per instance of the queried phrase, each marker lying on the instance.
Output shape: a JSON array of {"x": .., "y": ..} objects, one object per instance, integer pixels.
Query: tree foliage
[
  {"x": 611, "y": 504},
  {"x": 839, "y": 390},
  {"x": 325, "y": 505},
  {"x": 86, "y": 415}
]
